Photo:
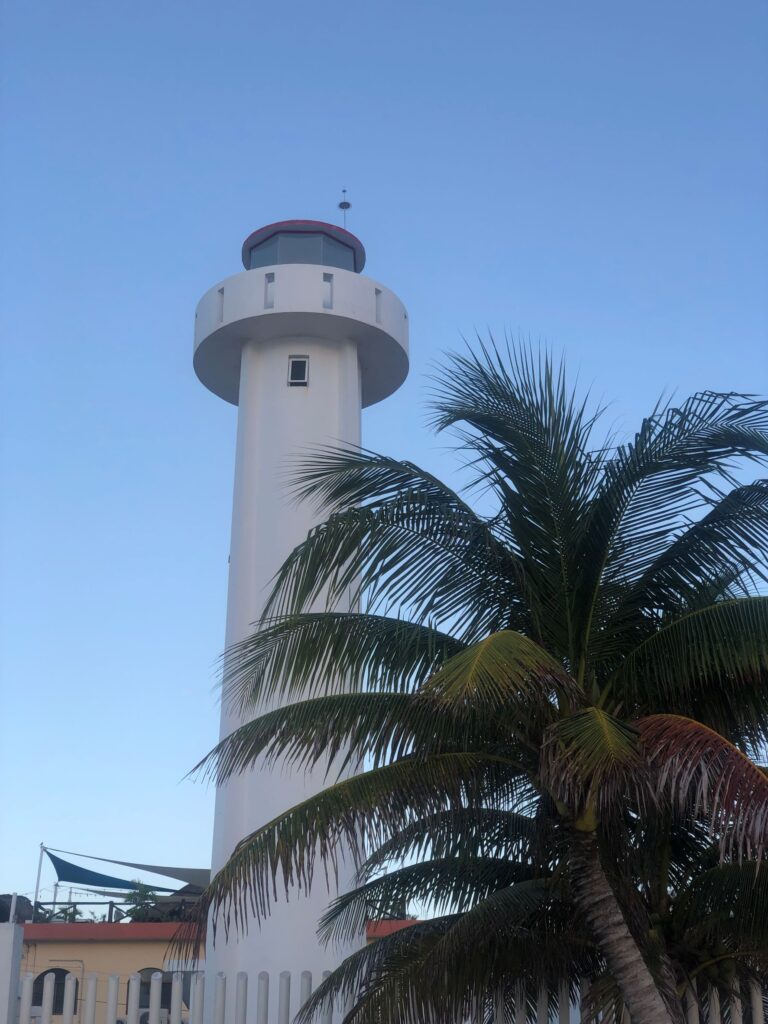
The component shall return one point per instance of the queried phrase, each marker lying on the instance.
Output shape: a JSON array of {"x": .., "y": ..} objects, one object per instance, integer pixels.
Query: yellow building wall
[{"x": 102, "y": 958}]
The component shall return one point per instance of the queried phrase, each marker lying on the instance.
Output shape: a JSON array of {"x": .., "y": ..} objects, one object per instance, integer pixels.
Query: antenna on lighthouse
[{"x": 344, "y": 205}]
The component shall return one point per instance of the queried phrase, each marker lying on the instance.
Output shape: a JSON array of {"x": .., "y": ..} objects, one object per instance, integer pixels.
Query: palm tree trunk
[{"x": 598, "y": 903}]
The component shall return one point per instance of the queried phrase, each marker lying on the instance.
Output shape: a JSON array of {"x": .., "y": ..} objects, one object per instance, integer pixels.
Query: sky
[{"x": 592, "y": 177}]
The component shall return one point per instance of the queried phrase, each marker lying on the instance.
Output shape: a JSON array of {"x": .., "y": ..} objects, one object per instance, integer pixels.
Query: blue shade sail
[{"x": 68, "y": 872}]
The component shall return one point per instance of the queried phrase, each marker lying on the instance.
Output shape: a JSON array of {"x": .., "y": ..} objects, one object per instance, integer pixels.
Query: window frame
[{"x": 294, "y": 360}]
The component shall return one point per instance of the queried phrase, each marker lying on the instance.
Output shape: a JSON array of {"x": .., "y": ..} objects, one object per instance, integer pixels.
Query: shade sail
[
  {"x": 66, "y": 872},
  {"x": 192, "y": 876}
]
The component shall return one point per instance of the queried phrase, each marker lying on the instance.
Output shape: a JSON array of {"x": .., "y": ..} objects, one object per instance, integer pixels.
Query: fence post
[
  {"x": 691, "y": 1006},
  {"x": 112, "y": 991},
  {"x": 284, "y": 998},
  {"x": 89, "y": 1002},
  {"x": 715, "y": 1017},
  {"x": 47, "y": 1013},
  {"x": 756, "y": 1001},
  {"x": 220, "y": 998},
  {"x": 26, "y": 998},
  {"x": 134, "y": 987},
  {"x": 520, "y": 1007},
  {"x": 68, "y": 1010},
  {"x": 563, "y": 1003},
  {"x": 262, "y": 998},
  {"x": 176, "y": 993},
  {"x": 327, "y": 1017},
  {"x": 241, "y": 997},
  {"x": 197, "y": 998},
  {"x": 155, "y": 992},
  {"x": 305, "y": 987},
  {"x": 542, "y": 1005},
  {"x": 736, "y": 1014}
]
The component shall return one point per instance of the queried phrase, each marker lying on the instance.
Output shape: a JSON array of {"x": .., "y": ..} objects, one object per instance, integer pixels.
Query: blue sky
[{"x": 589, "y": 175}]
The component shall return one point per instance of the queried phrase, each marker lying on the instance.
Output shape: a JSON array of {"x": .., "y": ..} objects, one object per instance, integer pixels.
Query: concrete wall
[{"x": 10, "y": 960}]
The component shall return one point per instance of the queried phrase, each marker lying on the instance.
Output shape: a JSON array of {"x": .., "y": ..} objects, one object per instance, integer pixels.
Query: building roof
[
  {"x": 381, "y": 929},
  {"x": 155, "y": 931}
]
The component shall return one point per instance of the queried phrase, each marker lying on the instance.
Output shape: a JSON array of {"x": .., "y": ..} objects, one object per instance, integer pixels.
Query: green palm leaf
[
  {"x": 447, "y": 885},
  {"x": 731, "y": 540},
  {"x": 650, "y": 484},
  {"x": 381, "y": 726},
  {"x": 475, "y": 832},
  {"x": 330, "y": 652},
  {"x": 723, "y": 554},
  {"x": 589, "y": 758},
  {"x": 424, "y": 548},
  {"x": 531, "y": 440},
  {"x": 727, "y": 904},
  {"x": 505, "y": 671},
  {"x": 346, "y": 819},
  {"x": 337, "y": 478},
  {"x": 398, "y": 951},
  {"x": 512, "y": 937},
  {"x": 725, "y": 644}
]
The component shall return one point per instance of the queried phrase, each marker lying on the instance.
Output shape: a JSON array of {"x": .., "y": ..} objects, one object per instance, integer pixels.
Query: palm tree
[{"x": 577, "y": 669}]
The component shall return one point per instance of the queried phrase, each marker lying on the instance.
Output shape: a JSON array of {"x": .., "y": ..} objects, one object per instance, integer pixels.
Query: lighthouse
[{"x": 301, "y": 342}]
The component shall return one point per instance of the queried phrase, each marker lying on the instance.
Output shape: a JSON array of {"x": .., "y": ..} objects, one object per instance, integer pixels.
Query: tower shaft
[{"x": 266, "y": 525}]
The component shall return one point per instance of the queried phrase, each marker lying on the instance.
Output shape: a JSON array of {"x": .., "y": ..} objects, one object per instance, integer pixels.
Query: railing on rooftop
[{"x": 69, "y": 912}]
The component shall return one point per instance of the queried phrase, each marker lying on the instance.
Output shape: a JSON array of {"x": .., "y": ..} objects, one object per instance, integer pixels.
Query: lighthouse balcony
[{"x": 293, "y": 300}]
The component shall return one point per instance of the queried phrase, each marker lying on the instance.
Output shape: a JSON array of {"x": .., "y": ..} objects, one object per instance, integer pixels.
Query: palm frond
[
  {"x": 724, "y": 644},
  {"x": 651, "y": 483},
  {"x": 507, "y": 672},
  {"x": 470, "y": 831},
  {"x": 530, "y": 439},
  {"x": 400, "y": 950},
  {"x": 588, "y": 758},
  {"x": 703, "y": 776},
  {"x": 343, "y": 821},
  {"x": 331, "y": 652},
  {"x": 515, "y": 938},
  {"x": 422, "y": 548},
  {"x": 447, "y": 885},
  {"x": 727, "y": 904},
  {"x": 337, "y": 478},
  {"x": 341, "y": 730},
  {"x": 730, "y": 540},
  {"x": 722, "y": 555}
]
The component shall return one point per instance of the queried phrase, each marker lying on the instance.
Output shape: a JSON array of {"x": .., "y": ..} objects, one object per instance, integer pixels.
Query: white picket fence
[{"x": 231, "y": 1004}]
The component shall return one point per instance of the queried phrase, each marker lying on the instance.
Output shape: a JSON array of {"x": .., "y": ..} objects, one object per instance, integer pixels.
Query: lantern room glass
[{"x": 302, "y": 247}]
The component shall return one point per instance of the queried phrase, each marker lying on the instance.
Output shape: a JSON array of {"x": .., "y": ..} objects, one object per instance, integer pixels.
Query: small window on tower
[{"x": 298, "y": 371}]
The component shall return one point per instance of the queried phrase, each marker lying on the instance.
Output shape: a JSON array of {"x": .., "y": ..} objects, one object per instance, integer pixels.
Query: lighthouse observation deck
[{"x": 302, "y": 281}]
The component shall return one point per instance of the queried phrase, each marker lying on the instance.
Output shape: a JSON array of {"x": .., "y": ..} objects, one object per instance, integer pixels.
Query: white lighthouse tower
[{"x": 300, "y": 342}]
